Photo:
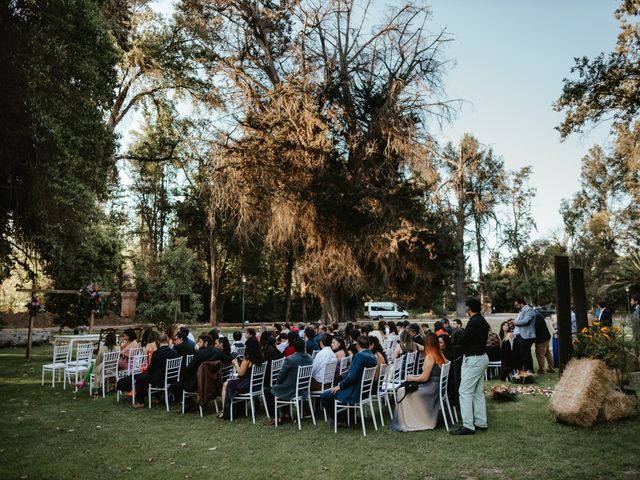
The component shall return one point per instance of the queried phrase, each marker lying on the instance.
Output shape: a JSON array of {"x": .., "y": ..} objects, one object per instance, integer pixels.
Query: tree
[
  {"x": 477, "y": 178},
  {"x": 57, "y": 153},
  {"x": 329, "y": 156}
]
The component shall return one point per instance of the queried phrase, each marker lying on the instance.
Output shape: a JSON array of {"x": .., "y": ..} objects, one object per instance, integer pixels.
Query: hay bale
[
  {"x": 617, "y": 405},
  {"x": 580, "y": 392}
]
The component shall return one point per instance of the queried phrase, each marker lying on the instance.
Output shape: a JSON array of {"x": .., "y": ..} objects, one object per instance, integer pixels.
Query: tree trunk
[
  {"x": 288, "y": 280},
  {"x": 214, "y": 278},
  {"x": 29, "y": 335},
  {"x": 337, "y": 307},
  {"x": 461, "y": 294},
  {"x": 479, "y": 250}
]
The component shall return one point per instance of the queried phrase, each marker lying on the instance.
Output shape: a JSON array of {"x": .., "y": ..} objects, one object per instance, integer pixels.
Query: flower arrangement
[
  {"x": 35, "y": 306},
  {"x": 522, "y": 376},
  {"x": 90, "y": 298},
  {"x": 502, "y": 393}
]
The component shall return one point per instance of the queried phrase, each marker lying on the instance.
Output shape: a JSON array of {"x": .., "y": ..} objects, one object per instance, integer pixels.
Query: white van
[{"x": 380, "y": 310}]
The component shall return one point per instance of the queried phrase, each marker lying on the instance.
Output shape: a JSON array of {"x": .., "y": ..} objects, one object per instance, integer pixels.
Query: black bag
[{"x": 409, "y": 387}]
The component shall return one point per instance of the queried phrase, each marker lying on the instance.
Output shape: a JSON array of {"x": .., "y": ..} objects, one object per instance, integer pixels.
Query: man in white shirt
[{"x": 324, "y": 356}]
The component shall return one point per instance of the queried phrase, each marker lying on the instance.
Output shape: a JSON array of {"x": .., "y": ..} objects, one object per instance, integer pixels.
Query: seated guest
[
  {"x": 381, "y": 359},
  {"x": 223, "y": 344},
  {"x": 414, "y": 331},
  {"x": 150, "y": 344},
  {"x": 190, "y": 338},
  {"x": 439, "y": 329},
  {"x": 290, "y": 350},
  {"x": 183, "y": 347},
  {"x": 250, "y": 333},
  {"x": 447, "y": 326},
  {"x": 241, "y": 384},
  {"x": 285, "y": 388},
  {"x": 351, "y": 338},
  {"x": 129, "y": 341},
  {"x": 445, "y": 347},
  {"x": 155, "y": 373},
  {"x": 326, "y": 355},
  {"x": 339, "y": 348},
  {"x": 270, "y": 353},
  {"x": 419, "y": 410},
  {"x": 348, "y": 389},
  {"x": 493, "y": 346},
  {"x": 405, "y": 345},
  {"x": 393, "y": 334},
  {"x": 110, "y": 345},
  {"x": 283, "y": 341},
  {"x": 313, "y": 343},
  {"x": 380, "y": 332},
  {"x": 214, "y": 333},
  {"x": 237, "y": 342}
]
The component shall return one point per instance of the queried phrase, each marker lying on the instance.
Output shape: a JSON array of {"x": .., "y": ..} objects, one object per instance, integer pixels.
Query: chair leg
[
  {"x": 166, "y": 396},
  {"x": 335, "y": 417},
  {"x": 380, "y": 410},
  {"x": 253, "y": 410},
  {"x": 149, "y": 395},
  {"x": 373, "y": 415},
  {"x": 313, "y": 414},
  {"x": 183, "y": 400},
  {"x": 364, "y": 429},
  {"x": 298, "y": 407},
  {"x": 264, "y": 402},
  {"x": 275, "y": 411},
  {"x": 200, "y": 407}
]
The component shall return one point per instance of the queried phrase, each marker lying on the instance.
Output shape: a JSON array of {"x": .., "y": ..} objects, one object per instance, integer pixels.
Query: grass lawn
[{"x": 48, "y": 433}]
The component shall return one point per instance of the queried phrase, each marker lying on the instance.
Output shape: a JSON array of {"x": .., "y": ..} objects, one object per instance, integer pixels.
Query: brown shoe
[
  {"x": 551, "y": 370},
  {"x": 269, "y": 423},
  {"x": 138, "y": 405},
  {"x": 540, "y": 372}
]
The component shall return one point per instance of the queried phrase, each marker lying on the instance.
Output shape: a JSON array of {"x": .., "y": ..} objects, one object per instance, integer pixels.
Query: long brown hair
[{"x": 432, "y": 349}]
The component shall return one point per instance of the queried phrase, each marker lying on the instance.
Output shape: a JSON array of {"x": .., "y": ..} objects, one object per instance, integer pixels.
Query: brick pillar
[{"x": 129, "y": 299}]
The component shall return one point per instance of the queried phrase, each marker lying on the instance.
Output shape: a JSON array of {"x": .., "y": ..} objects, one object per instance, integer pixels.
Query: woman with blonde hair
[
  {"x": 405, "y": 345},
  {"x": 418, "y": 410}
]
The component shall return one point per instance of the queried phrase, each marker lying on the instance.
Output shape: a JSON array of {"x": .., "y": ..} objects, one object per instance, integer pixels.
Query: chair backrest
[
  {"x": 276, "y": 366},
  {"x": 367, "y": 382},
  {"x": 188, "y": 360},
  {"x": 314, "y": 354},
  {"x": 172, "y": 372},
  {"x": 110, "y": 364},
  {"x": 385, "y": 377},
  {"x": 303, "y": 382},
  {"x": 345, "y": 363},
  {"x": 136, "y": 362},
  {"x": 329, "y": 372},
  {"x": 84, "y": 352},
  {"x": 409, "y": 364},
  {"x": 240, "y": 351},
  {"x": 227, "y": 370},
  {"x": 444, "y": 379},
  {"x": 257, "y": 377},
  {"x": 419, "y": 363},
  {"x": 60, "y": 353}
]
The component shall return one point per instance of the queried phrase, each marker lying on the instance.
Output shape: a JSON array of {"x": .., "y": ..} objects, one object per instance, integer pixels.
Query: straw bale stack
[
  {"x": 617, "y": 405},
  {"x": 580, "y": 392}
]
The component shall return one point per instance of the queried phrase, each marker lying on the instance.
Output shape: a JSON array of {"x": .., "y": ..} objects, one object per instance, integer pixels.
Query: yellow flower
[
  {"x": 616, "y": 329},
  {"x": 607, "y": 337},
  {"x": 596, "y": 324},
  {"x": 584, "y": 330},
  {"x": 604, "y": 329}
]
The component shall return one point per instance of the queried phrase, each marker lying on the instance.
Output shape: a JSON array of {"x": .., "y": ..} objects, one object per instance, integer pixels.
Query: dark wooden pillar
[
  {"x": 579, "y": 297},
  {"x": 563, "y": 310}
]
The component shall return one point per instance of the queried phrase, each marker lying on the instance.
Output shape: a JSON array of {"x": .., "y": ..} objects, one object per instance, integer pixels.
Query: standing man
[
  {"x": 525, "y": 332},
  {"x": 474, "y": 363},
  {"x": 543, "y": 337},
  {"x": 605, "y": 318},
  {"x": 635, "y": 320}
]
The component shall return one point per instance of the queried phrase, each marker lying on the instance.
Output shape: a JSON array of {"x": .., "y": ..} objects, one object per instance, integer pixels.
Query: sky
[{"x": 508, "y": 62}]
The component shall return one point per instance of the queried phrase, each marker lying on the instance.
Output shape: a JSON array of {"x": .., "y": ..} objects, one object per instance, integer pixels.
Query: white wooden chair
[
  {"x": 109, "y": 370},
  {"x": 393, "y": 381},
  {"x": 327, "y": 381},
  {"x": 171, "y": 375},
  {"x": 314, "y": 354},
  {"x": 188, "y": 360},
  {"x": 256, "y": 388},
  {"x": 382, "y": 392},
  {"x": 240, "y": 352},
  {"x": 303, "y": 390},
  {"x": 80, "y": 365},
  {"x": 409, "y": 364},
  {"x": 493, "y": 370},
  {"x": 345, "y": 364},
  {"x": 444, "y": 396},
  {"x": 58, "y": 363},
  {"x": 135, "y": 363},
  {"x": 276, "y": 366},
  {"x": 366, "y": 387}
]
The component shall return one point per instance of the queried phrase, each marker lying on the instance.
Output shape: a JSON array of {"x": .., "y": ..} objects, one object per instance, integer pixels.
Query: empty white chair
[
  {"x": 256, "y": 389},
  {"x": 303, "y": 387},
  {"x": 171, "y": 375},
  {"x": 327, "y": 381},
  {"x": 444, "y": 395},
  {"x": 80, "y": 365},
  {"x": 493, "y": 370},
  {"x": 366, "y": 387},
  {"x": 109, "y": 370},
  {"x": 59, "y": 362}
]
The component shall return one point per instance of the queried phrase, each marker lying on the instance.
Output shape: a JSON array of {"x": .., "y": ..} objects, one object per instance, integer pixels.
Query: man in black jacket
[
  {"x": 543, "y": 337},
  {"x": 155, "y": 373},
  {"x": 606, "y": 317},
  {"x": 183, "y": 347},
  {"x": 474, "y": 364}
]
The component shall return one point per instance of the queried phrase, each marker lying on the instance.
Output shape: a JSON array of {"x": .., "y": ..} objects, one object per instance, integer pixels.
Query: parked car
[
  {"x": 546, "y": 310},
  {"x": 380, "y": 310}
]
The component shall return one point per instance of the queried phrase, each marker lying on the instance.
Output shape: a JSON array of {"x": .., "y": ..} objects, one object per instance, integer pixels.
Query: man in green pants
[{"x": 473, "y": 342}]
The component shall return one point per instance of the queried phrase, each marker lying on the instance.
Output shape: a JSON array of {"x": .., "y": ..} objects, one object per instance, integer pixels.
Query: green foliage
[{"x": 159, "y": 286}]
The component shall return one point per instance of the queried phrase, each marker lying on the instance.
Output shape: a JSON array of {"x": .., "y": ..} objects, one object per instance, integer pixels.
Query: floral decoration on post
[
  {"x": 91, "y": 298},
  {"x": 35, "y": 306}
]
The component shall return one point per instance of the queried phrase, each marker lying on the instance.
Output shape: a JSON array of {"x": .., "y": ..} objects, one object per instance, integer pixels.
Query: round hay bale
[{"x": 580, "y": 392}]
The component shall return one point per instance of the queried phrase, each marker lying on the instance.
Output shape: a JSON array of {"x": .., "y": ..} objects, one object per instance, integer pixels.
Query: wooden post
[
  {"x": 91, "y": 320},
  {"x": 563, "y": 310},
  {"x": 579, "y": 297},
  {"x": 29, "y": 334}
]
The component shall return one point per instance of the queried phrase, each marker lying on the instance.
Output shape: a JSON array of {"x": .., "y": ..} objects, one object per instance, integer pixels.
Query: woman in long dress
[{"x": 419, "y": 410}]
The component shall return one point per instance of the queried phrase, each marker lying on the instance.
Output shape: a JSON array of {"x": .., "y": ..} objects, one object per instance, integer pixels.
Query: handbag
[{"x": 409, "y": 387}]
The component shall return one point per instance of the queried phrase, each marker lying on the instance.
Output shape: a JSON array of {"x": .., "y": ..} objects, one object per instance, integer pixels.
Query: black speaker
[{"x": 185, "y": 303}]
